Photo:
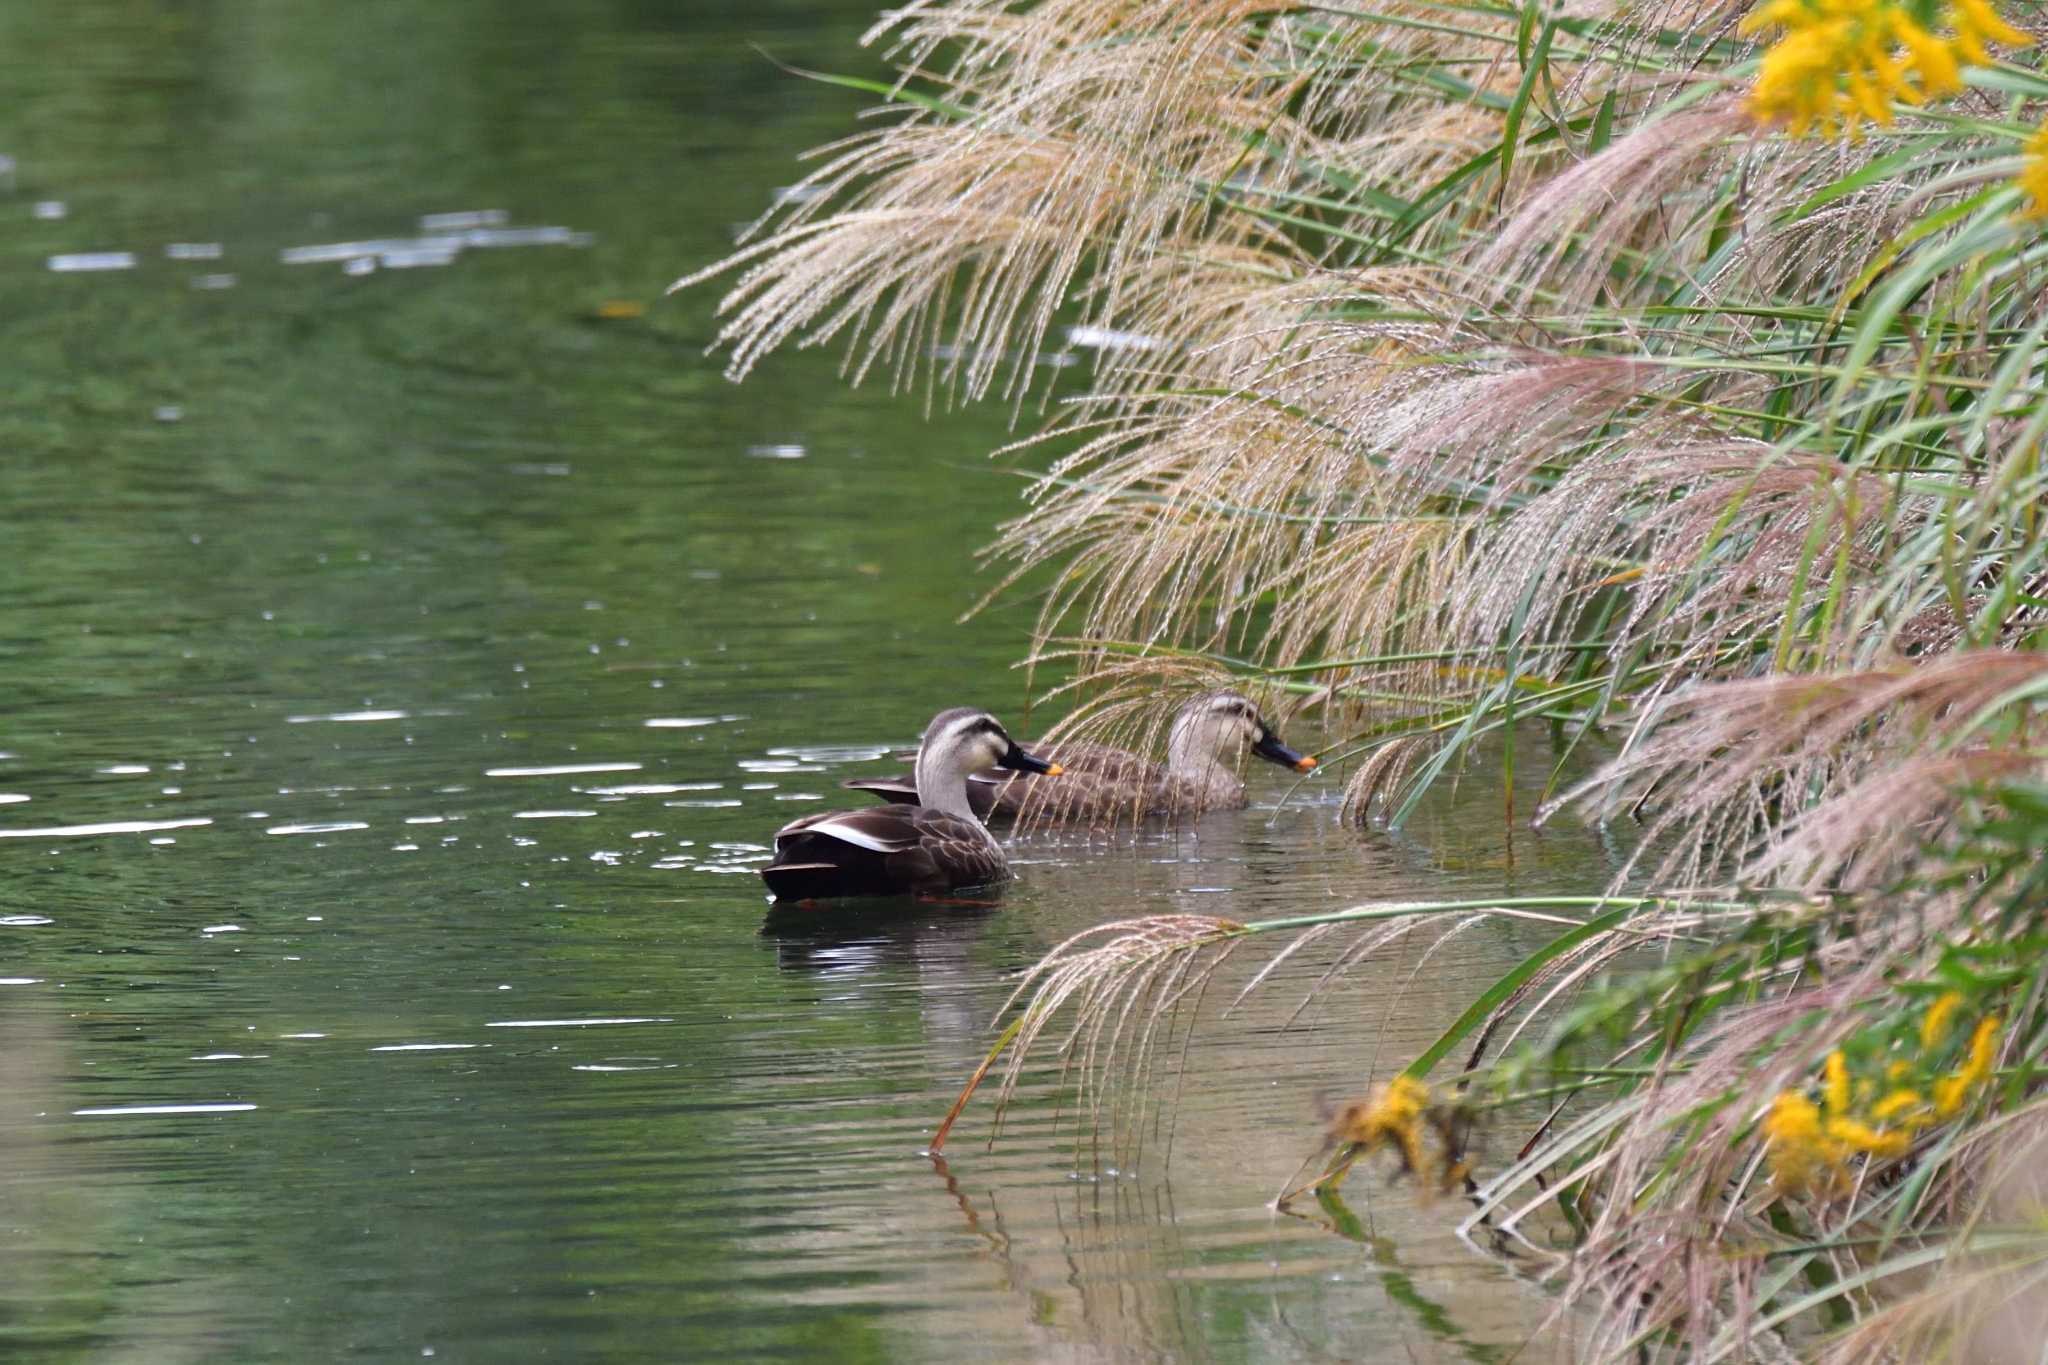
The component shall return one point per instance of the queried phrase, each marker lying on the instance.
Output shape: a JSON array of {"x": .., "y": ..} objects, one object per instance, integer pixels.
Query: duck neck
[
  {"x": 942, "y": 784},
  {"x": 1194, "y": 755}
]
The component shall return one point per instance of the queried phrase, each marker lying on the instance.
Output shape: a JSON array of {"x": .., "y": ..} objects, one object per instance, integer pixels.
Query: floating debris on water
[
  {"x": 620, "y": 310},
  {"x": 1110, "y": 339},
  {"x": 51, "y": 210},
  {"x": 429, "y": 253},
  {"x": 577, "y": 1023},
  {"x": 110, "y": 827},
  {"x": 437, "y": 248},
  {"x": 468, "y": 218},
  {"x": 73, "y": 261},
  {"x": 328, "y": 252},
  {"x": 527, "y": 236},
  {"x": 192, "y": 251},
  {"x": 1058, "y": 360},
  {"x": 164, "y": 1109}
]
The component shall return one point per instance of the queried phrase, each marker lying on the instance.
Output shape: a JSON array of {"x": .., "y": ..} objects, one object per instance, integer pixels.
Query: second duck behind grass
[{"x": 1104, "y": 785}]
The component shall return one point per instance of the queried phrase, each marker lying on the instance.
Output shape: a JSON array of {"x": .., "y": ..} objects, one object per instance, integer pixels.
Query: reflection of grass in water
[
  {"x": 74, "y": 1282},
  {"x": 1399, "y": 1286},
  {"x": 56, "y": 1290}
]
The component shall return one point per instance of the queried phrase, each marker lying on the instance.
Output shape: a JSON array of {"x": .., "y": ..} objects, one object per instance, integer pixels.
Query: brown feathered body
[{"x": 882, "y": 851}]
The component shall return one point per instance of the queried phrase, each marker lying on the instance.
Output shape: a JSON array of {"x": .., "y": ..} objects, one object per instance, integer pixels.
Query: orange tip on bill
[
  {"x": 1054, "y": 771},
  {"x": 1305, "y": 763}
]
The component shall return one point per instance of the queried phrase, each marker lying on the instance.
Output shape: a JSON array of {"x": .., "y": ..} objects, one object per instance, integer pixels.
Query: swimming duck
[
  {"x": 927, "y": 847},
  {"x": 1104, "y": 785}
]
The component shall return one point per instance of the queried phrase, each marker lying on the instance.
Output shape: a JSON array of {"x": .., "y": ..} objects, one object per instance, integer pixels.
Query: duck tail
[{"x": 804, "y": 881}]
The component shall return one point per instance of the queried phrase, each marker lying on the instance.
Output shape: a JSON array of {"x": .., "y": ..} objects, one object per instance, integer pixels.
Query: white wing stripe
[{"x": 847, "y": 830}]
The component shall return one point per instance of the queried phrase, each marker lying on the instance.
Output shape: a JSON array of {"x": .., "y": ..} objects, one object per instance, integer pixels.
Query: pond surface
[{"x": 405, "y": 667}]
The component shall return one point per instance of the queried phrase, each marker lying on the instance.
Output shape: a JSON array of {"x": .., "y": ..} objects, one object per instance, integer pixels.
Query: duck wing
[
  {"x": 878, "y": 829},
  {"x": 951, "y": 852},
  {"x": 881, "y": 851}
]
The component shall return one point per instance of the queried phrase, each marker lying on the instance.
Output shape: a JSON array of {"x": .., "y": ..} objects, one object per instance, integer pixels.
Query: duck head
[
  {"x": 1213, "y": 729},
  {"x": 962, "y": 741}
]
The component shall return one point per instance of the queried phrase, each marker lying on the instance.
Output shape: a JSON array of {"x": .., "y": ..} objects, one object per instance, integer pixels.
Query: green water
[{"x": 404, "y": 673}]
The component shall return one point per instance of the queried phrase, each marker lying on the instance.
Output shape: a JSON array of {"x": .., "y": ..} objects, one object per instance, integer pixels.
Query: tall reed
[{"x": 1668, "y": 373}]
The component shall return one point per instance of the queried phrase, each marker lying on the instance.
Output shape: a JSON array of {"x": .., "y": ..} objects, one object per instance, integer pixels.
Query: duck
[
  {"x": 1103, "y": 785},
  {"x": 923, "y": 847}
]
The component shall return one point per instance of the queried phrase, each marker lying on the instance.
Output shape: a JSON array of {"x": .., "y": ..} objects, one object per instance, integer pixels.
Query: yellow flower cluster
[
  {"x": 1391, "y": 1116},
  {"x": 2034, "y": 175},
  {"x": 1809, "y": 1147},
  {"x": 1841, "y": 62}
]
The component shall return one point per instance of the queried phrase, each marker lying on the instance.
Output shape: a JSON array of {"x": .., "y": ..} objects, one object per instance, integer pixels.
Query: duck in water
[{"x": 926, "y": 846}]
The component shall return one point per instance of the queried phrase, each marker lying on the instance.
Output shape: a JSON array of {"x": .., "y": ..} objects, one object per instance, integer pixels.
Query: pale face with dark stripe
[{"x": 969, "y": 740}]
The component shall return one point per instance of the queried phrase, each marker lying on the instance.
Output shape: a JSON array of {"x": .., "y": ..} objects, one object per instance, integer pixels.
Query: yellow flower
[
  {"x": 1857, "y": 1136},
  {"x": 1975, "y": 23},
  {"x": 1802, "y": 1158},
  {"x": 1932, "y": 58},
  {"x": 1907, "y": 1102},
  {"x": 1934, "y": 1027},
  {"x": 1835, "y": 1083},
  {"x": 1951, "y": 1091},
  {"x": 1840, "y": 63},
  {"x": 1391, "y": 1116},
  {"x": 2034, "y": 175}
]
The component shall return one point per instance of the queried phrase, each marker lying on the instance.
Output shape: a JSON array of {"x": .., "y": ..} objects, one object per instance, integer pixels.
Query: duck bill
[
  {"x": 1025, "y": 763},
  {"x": 1273, "y": 751}
]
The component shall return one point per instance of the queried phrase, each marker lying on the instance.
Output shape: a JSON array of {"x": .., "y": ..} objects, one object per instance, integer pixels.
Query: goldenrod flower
[
  {"x": 1841, "y": 63},
  {"x": 1857, "y": 1136},
  {"x": 1976, "y": 23},
  {"x": 1934, "y": 1028},
  {"x": 1951, "y": 1091},
  {"x": 1835, "y": 1083},
  {"x": 1803, "y": 1159},
  {"x": 2034, "y": 175},
  {"x": 1390, "y": 1116},
  {"x": 1900, "y": 1102}
]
